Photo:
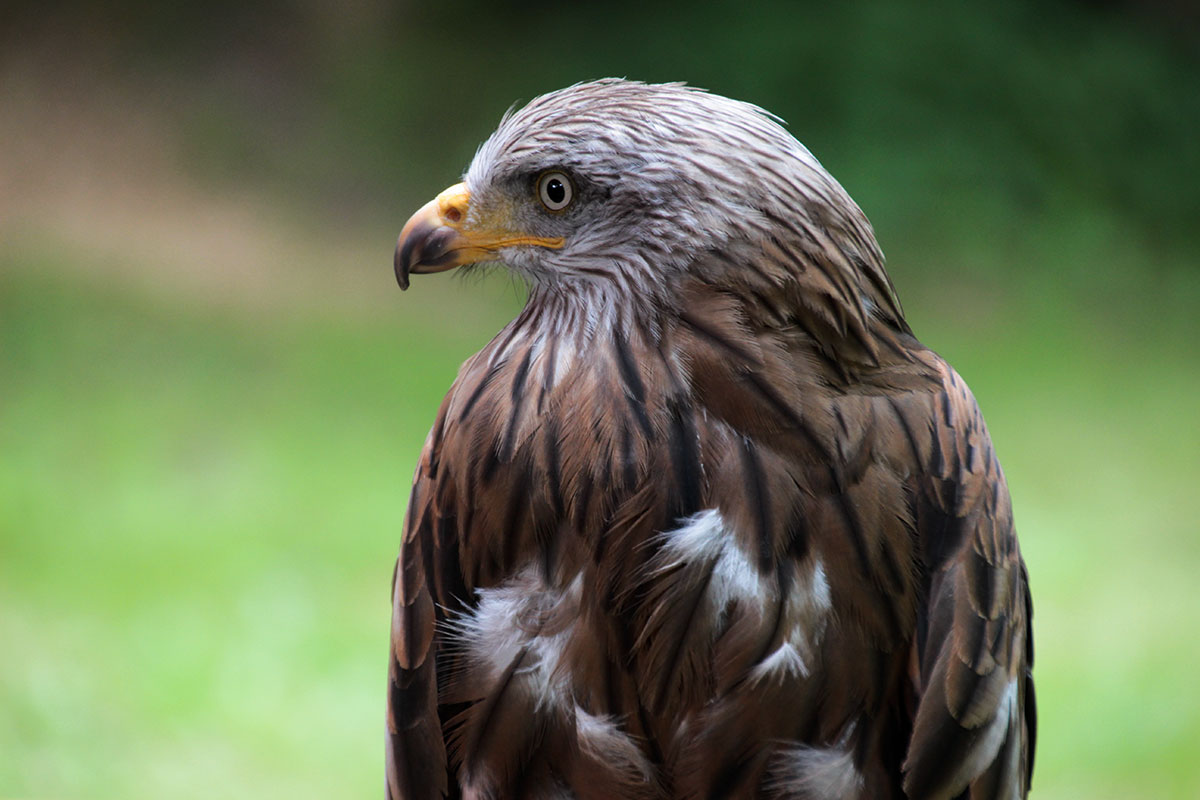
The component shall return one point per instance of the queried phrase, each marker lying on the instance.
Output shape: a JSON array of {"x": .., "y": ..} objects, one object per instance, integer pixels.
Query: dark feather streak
[
  {"x": 784, "y": 410},
  {"x": 518, "y": 404},
  {"x": 711, "y": 336},
  {"x": 635, "y": 390},
  {"x": 479, "y": 390},
  {"x": 553, "y": 467},
  {"x": 685, "y": 460},
  {"x": 756, "y": 492}
]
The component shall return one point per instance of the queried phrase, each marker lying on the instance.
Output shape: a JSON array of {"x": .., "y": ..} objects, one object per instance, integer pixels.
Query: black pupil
[{"x": 556, "y": 192}]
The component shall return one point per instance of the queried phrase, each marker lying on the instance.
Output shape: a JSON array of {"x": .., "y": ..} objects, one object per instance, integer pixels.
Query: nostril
[{"x": 453, "y": 214}]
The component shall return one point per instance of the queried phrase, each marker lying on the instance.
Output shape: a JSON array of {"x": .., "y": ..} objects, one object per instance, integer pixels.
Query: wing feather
[
  {"x": 416, "y": 751},
  {"x": 975, "y": 720}
]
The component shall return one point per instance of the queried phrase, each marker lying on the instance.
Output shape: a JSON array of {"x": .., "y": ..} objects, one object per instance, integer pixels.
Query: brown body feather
[{"x": 885, "y": 475}]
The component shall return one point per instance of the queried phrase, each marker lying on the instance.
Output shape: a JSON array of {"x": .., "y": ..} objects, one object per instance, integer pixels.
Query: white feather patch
[
  {"x": 800, "y": 772},
  {"x": 602, "y": 740},
  {"x": 505, "y": 626},
  {"x": 805, "y": 615},
  {"x": 984, "y": 751},
  {"x": 704, "y": 537}
]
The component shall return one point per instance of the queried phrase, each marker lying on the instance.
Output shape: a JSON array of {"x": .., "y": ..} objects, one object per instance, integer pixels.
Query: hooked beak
[{"x": 439, "y": 237}]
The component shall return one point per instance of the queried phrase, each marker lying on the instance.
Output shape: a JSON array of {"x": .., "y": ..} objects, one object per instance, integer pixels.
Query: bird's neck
[
  {"x": 562, "y": 328},
  {"x": 587, "y": 311}
]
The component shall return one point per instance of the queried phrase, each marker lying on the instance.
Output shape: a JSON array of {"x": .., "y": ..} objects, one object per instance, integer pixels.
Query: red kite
[{"x": 706, "y": 520}]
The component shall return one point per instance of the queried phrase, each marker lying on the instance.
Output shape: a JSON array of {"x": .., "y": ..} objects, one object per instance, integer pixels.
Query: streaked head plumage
[
  {"x": 661, "y": 177},
  {"x": 664, "y": 172}
]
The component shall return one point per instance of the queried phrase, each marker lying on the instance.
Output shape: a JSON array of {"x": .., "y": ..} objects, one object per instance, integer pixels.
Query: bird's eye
[{"x": 555, "y": 191}]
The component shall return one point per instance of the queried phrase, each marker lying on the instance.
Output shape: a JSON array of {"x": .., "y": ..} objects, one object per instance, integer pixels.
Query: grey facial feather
[{"x": 684, "y": 173}]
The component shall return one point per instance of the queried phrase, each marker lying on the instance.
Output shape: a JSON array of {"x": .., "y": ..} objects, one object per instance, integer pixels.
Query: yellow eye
[{"x": 555, "y": 191}]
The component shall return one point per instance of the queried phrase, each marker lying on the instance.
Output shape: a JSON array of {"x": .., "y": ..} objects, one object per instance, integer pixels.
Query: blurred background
[{"x": 212, "y": 394}]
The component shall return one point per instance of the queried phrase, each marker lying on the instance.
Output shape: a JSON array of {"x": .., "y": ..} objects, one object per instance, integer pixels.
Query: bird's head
[{"x": 622, "y": 185}]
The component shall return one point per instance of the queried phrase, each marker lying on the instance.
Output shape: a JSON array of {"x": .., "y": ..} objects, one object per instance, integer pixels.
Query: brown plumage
[{"x": 705, "y": 520}]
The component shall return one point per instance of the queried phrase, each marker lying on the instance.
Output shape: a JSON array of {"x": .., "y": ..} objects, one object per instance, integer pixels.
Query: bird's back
[{"x": 709, "y": 558}]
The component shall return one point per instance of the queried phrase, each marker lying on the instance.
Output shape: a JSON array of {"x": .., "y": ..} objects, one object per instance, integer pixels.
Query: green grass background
[{"x": 202, "y": 478}]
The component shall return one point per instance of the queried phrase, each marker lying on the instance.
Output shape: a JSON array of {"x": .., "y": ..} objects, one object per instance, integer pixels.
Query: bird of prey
[{"x": 705, "y": 520}]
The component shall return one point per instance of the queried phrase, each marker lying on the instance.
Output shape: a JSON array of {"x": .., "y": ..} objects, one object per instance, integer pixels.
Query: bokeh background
[{"x": 212, "y": 393}]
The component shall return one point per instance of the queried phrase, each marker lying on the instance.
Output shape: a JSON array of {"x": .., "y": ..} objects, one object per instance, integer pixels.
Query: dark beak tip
[
  {"x": 400, "y": 263},
  {"x": 424, "y": 248}
]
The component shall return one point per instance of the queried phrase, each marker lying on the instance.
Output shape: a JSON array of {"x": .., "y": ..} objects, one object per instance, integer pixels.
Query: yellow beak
[{"x": 438, "y": 237}]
